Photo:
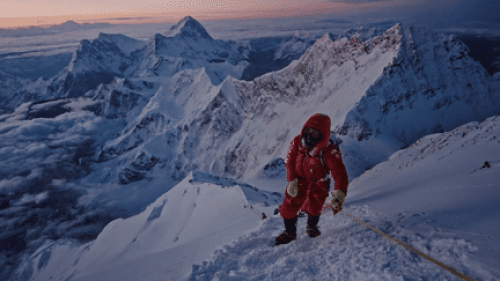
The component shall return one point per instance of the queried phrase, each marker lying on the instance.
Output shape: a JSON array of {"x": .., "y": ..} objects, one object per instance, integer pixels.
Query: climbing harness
[{"x": 436, "y": 262}]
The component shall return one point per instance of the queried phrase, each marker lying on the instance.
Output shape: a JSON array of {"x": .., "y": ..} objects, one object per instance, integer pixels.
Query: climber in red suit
[{"x": 310, "y": 159}]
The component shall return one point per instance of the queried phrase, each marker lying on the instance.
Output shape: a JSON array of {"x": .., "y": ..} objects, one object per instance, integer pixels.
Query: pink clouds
[
  {"x": 24, "y": 13},
  {"x": 28, "y": 13}
]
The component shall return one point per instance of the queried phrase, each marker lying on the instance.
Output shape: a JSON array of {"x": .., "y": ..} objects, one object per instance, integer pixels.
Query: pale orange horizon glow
[{"x": 53, "y": 12}]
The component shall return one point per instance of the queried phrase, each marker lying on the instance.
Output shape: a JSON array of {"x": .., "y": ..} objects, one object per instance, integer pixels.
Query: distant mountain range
[{"x": 64, "y": 27}]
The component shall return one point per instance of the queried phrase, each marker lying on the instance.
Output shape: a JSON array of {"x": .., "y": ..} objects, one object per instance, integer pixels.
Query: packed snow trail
[
  {"x": 346, "y": 250},
  {"x": 436, "y": 262}
]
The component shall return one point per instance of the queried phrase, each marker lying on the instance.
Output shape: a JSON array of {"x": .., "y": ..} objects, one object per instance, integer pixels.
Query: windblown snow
[{"x": 166, "y": 135}]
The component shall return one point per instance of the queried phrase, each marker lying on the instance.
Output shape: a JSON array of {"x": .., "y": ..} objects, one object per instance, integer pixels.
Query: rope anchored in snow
[{"x": 436, "y": 262}]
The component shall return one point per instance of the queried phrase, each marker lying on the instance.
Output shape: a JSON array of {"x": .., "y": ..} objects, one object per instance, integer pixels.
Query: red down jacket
[{"x": 307, "y": 166}]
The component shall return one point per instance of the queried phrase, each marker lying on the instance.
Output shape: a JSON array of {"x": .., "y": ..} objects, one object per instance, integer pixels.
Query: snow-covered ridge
[
  {"x": 188, "y": 27},
  {"x": 224, "y": 110},
  {"x": 418, "y": 94},
  {"x": 188, "y": 222},
  {"x": 468, "y": 136},
  {"x": 381, "y": 94},
  {"x": 113, "y": 56},
  {"x": 451, "y": 180}
]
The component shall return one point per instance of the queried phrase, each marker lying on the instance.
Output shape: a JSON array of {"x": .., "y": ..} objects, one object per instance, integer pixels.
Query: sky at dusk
[{"x": 25, "y": 13}]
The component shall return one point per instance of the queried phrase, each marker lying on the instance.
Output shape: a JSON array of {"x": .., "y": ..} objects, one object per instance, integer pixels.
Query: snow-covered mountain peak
[
  {"x": 364, "y": 33},
  {"x": 360, "y": 35},
  {"x": 188, "y": 27},
  {"x": 126, "y": 44},
  {"x": 188, "y": 46},
  {"x": 101, "y": 52},
  {"x": 94, "y": 62},
  {"x": 381, "y": 93},
  {"x": 330, "y": 53},
  {"x": 69, "y": 25}
]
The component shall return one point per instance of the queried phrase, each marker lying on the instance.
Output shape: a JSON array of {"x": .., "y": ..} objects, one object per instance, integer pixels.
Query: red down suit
[{"x": 307, "y": 166}]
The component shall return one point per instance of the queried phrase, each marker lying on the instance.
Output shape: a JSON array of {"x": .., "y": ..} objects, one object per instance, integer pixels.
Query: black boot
[
  {"x": 312, "y": 226},
  {"x": 289, "y": 234}
]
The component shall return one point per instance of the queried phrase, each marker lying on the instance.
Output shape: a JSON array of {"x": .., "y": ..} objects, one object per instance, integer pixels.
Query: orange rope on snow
[{"x": 436, "y": 262}]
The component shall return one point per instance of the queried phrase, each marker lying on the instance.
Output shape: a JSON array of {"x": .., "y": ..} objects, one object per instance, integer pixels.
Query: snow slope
[
  {"x": 452, "y": 178},
  {"x": 434, "y": 196},
  {"x": 183, "y": 226}
]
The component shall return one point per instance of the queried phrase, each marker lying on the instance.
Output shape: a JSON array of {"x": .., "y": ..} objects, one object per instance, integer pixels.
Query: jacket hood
[{"x": 322, "y": 123}]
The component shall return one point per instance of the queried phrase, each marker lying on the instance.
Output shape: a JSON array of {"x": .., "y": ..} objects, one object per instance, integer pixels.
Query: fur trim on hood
[{"x": 322, "y": 123}]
